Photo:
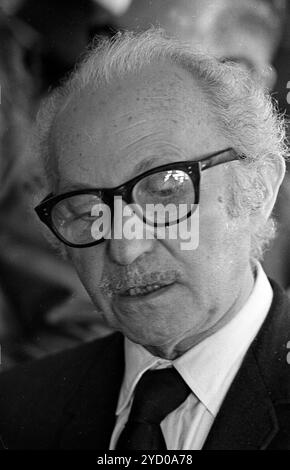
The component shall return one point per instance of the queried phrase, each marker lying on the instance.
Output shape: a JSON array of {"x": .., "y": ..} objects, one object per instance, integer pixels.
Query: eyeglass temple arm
[{"x": 230, "y": 156}]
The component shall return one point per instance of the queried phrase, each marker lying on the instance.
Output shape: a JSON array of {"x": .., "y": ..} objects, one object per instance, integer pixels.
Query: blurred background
[{"x": 43, "y": 306}]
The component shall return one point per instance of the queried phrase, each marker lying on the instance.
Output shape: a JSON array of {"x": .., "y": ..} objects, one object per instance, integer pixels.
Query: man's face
[
  {"x": 103, "y": 139},
  {"x": 218, "y": 27}
]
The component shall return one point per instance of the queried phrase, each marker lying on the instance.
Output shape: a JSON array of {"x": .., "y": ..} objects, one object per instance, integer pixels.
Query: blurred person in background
[
  {"x": 15, "y": 119},
  {"x": 37, "y": 289},
  {"x": 246, "y": 31},
  {"x": 65, "y": 28}
]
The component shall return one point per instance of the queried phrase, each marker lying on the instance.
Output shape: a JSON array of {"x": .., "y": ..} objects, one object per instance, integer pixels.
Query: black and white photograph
[{"x": 144, "y": 228}]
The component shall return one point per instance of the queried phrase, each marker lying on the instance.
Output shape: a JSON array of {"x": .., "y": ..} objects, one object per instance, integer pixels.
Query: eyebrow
[
  {"x": 71, "y": 185},
  {"x": 147, "y": 164}
]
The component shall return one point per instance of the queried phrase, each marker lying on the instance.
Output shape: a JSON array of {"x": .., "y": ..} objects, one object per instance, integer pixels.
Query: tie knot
[{"x": 157, "y": 394}]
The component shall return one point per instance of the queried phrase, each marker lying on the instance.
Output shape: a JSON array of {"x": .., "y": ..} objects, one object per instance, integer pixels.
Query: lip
[{"x": 162, "y": 289}]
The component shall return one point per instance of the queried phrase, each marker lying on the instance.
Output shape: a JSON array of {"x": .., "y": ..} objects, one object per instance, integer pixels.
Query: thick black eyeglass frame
[{"x": 192, "y": 168}]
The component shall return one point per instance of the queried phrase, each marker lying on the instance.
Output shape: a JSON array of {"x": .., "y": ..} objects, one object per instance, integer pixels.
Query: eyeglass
[{"x": 70, "y": 216}]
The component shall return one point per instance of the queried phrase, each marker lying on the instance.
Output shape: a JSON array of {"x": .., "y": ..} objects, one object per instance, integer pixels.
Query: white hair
[{"x": 243, "y": 112}]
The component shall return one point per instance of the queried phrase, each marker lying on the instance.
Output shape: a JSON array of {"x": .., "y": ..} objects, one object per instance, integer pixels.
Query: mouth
[
  {"x": 134, "y": 285},
  {"x": 142, "y": 291}
]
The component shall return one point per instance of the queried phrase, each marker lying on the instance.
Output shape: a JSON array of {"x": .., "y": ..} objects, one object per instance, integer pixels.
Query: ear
[{"x": 272, "y": 174}]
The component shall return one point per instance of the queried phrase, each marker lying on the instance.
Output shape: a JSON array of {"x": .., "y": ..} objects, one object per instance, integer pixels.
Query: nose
[{"x": 130, "y": 238}]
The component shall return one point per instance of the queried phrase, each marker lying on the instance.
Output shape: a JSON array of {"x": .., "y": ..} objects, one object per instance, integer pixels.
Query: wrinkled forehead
[{"x": 102, "y": 133}]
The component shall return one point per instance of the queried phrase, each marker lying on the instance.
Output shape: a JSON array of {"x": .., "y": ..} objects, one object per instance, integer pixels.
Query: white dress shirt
[{"x": 208, "y": 368}]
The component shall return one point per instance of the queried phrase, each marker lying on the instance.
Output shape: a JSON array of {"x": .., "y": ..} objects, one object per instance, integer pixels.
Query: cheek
[
  {"x": 210, "y": 237},
  {"x": 223, "y": 244},
  {"x": 224, "y": 249},
  {"x": 89, "y": 264},
  {"x": 220, "y": 233}
]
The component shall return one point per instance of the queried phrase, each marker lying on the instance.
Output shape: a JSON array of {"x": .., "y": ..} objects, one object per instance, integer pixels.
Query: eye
[
  {"x": 76, "y": 206},
  {"x": 81, "y": 212},
  {"x": 76, "y": 211},
  {"x": 170, "y": 186},
  {"x": 165, "y": 183}
]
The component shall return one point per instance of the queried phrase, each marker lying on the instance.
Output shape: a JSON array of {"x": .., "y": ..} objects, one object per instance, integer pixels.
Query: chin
[{"x": 156, "y": 341}]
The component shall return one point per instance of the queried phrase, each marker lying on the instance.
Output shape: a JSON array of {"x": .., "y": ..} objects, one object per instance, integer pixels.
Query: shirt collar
[
  {"x": 137, "y": 361},
  {"x": 209, "y": 367}
]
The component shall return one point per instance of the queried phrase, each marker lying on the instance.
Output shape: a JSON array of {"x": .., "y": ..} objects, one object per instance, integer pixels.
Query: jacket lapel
[
  {"x": 91, "y": 412},
  {"x": 247, "y": 419}
]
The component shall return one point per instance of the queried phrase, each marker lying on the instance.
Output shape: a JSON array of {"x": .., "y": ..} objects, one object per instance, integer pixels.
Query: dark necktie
[{"x": 157, "y": 394}]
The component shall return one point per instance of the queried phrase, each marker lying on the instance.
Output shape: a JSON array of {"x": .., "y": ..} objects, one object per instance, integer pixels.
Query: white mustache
[{"x": 123, "y": 281}]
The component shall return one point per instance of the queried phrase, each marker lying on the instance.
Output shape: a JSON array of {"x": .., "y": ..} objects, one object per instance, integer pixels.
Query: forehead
[{"x": 101, "y": 136}]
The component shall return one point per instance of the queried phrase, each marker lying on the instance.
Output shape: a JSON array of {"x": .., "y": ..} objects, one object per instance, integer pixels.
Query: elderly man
[{"x": 199, "y": 359}]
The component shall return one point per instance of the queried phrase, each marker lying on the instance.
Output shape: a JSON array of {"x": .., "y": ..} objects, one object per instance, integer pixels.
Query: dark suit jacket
[{"x": 68, "y": 401}]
